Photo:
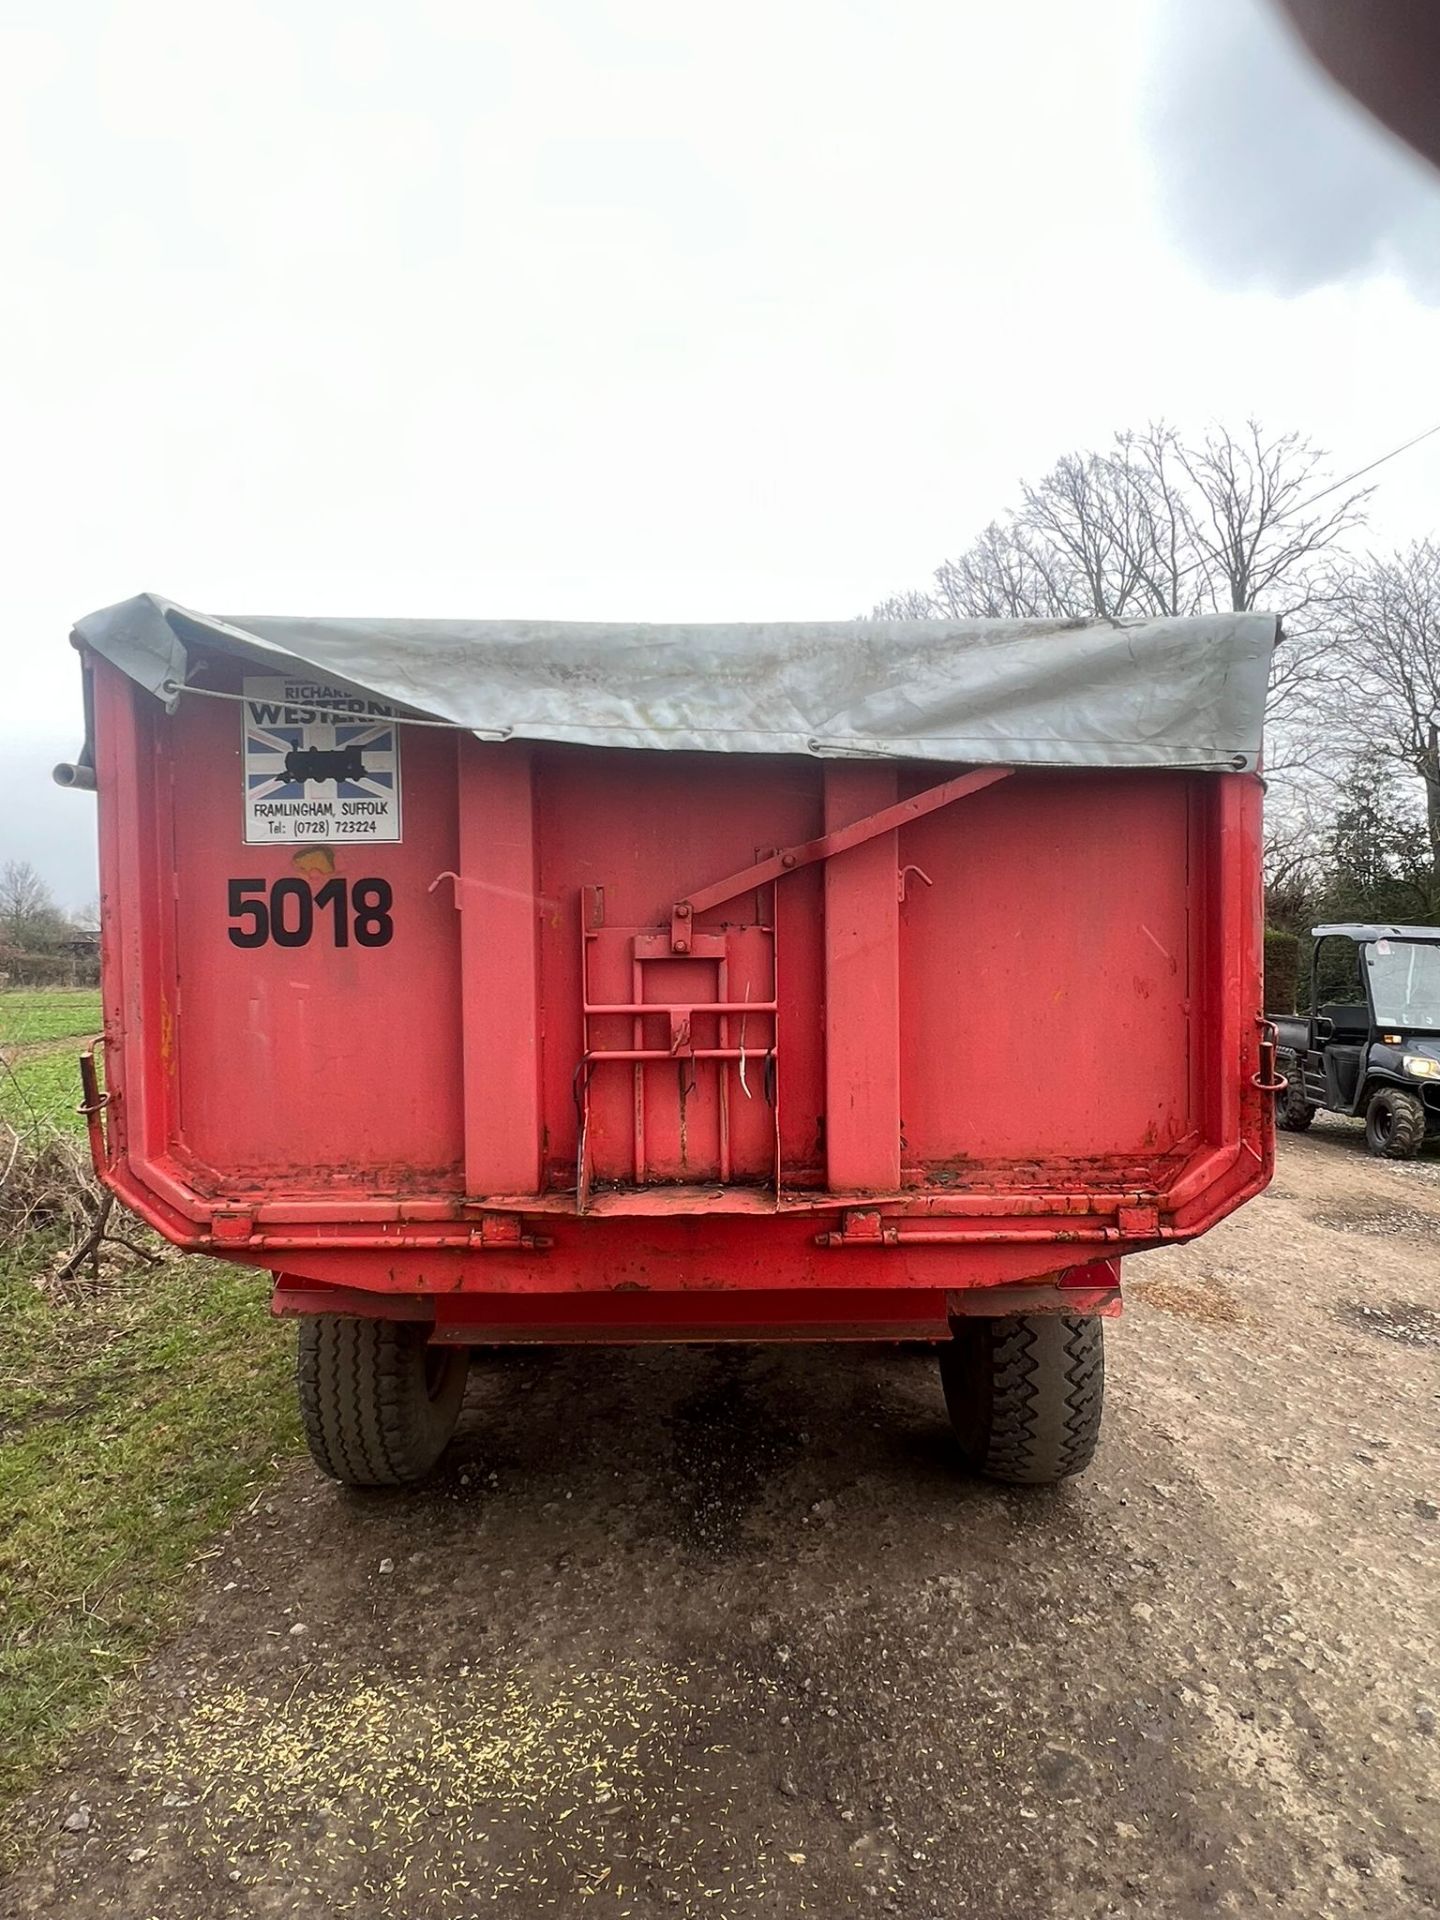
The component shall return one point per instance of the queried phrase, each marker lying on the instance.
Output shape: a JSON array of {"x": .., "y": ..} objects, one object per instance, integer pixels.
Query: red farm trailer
[{"x": 517, "y": 982}]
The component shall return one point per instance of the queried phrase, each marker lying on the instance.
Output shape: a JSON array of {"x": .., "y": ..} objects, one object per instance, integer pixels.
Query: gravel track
[{"x": 708, "y": 1632}]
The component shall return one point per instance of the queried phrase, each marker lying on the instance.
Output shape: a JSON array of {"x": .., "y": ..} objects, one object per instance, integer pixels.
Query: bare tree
[
  {"x": 1265, "y": 532},
  {"x": 1257, "y": 518},
  {"x": 29, "y": 916},
  {"x": 912, "y": 605},
  {"x": 1384, "y": 632},
  {"x": 1086, "y": 530},
  {"x": 1154, "y": 525},
  {"x": 999, "y": 577},
  {"x": 1299, "y": 819}
]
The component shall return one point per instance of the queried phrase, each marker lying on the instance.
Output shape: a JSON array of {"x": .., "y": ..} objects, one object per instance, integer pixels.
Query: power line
[
  {"x": 1205, "y": 559},
  {"x": 1360, "y": 472}
]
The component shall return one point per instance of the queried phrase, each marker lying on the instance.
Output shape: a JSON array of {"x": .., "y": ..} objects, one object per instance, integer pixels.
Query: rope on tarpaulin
[{"x": 819, "y": 746}]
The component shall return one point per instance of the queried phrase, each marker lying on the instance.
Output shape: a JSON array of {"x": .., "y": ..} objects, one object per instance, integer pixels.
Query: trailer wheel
[
  {"x": 1394, "y": 1124},
  {"x": 378, "y": 1402},
  {"x": 1293, "y": 1111},
  {"x": 1025, "y": 1393}
]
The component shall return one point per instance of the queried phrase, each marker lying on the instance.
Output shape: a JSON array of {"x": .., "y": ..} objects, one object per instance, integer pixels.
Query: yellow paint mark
[{"x": 167, "y": 1034}]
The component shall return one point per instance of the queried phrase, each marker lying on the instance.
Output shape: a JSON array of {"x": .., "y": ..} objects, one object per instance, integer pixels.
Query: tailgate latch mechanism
[{"x": 684, "y": 912}]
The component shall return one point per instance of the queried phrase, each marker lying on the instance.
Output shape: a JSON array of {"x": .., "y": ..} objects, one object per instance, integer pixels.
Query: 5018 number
[{"x": 286, "y": 913}]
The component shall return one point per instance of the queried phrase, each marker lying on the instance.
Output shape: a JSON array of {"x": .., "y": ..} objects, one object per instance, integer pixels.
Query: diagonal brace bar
[{"x": 789, "y": 859}]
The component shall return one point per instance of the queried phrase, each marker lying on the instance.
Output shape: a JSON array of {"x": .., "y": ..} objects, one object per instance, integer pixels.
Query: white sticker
[
  {"x": 322, "y": 763},
  {"x": 1382, "y": 946}
]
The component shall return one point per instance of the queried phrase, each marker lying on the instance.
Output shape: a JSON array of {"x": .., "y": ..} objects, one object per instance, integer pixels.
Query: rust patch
[{"x": 313, "y": 860}]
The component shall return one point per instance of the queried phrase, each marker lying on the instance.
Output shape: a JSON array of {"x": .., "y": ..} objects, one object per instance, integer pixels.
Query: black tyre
[
  {"x": 379, "y": 1403},
  {"x": 1025, "y": 1394},
  {"x": 1394, "y": 1124},
  {"x": 1293, "y": 1111}
]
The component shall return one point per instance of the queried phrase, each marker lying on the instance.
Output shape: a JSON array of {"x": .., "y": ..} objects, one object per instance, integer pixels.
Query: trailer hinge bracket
[
  {"x": 234, "y": 1224},
  {"x": 861, "y": 1227},
  {"x": 1138, "y": 1223},
  {"x": 499, "y": 1232}
]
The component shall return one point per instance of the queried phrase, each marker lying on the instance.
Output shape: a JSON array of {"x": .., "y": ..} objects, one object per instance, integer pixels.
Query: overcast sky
[{"x": 614, "y": 308}]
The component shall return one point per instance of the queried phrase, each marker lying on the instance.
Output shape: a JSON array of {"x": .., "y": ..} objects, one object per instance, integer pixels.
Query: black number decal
[
  {"x": 286, "y": 914},
  {"x": 255, "y": 911},
  {"x": 281, "y": 895},
  {"x": 332, "y": 895},
  {"x": 373, "y": 900}
]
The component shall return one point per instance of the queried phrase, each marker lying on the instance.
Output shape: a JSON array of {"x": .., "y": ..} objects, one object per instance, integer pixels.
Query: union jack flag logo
[{"x": 358, "y": 760}]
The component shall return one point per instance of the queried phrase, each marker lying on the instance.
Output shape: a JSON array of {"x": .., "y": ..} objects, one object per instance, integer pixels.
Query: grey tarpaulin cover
[{"x": 1105, "y": 693}]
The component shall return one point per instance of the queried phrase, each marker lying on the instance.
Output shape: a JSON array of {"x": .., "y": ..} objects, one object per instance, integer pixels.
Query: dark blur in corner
[{"x": 1386, "y": 53}]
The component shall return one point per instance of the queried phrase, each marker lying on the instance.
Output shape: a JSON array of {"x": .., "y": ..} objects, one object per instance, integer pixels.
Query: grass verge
[
  {"x": 40, "y": 1087},
  {"x": 29, "y": 1014},
  {"x": 134, "y": 1420},
  {"x": 41, "y": 1034}
]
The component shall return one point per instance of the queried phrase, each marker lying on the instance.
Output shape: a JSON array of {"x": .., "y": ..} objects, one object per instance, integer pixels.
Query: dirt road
[{"x": 721, "y": 1633}]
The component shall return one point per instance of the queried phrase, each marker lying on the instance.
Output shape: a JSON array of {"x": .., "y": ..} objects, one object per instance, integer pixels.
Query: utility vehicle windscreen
[{"x": 1405, "y": 982}]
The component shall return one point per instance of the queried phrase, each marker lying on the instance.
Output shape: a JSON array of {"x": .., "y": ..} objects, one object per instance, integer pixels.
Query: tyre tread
[
  {"x": 367, "y": 1420},
  {"x": 1293, "y": 1112},
  {"x": 1045, "y": 1386},
  {"x": 1407, "y": 1124}
]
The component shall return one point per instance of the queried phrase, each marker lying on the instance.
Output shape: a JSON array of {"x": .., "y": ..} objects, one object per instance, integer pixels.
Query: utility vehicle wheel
[
  {"x": 378, "y": 1401},
  {"x": 1394, "y": 1124},
  {"x": 1293, "y": 1111},
  {"x": 1025, "y": 1393}
]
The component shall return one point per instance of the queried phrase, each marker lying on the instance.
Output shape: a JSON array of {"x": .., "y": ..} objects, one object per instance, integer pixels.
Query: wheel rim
[{"x": 1384, "y": 1121}]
